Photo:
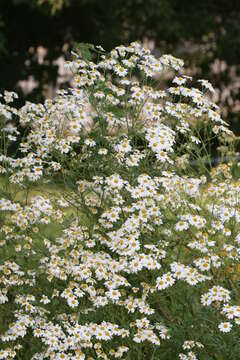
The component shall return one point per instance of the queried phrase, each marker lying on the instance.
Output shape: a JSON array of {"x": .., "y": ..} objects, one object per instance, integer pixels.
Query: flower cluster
[{"x": 118, "y": 260}]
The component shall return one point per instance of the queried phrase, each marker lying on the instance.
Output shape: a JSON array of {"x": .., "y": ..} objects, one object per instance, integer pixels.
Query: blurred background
[{"x": 36, "y": 35}]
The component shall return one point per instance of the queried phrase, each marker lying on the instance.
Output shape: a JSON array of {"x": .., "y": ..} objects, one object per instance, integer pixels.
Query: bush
[{"x": 118, "y": 238}]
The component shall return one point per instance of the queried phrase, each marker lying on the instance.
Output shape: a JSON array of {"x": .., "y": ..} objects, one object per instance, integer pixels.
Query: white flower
[
  {"x": 206, "y": 84},
  {"x": 90, "y": 142},
  {"x": 45, "y": 299},
  {"x": 99, "y": 95},
  {"x": 120, "y": 71},
  {"x": 102, "y": 151},
  {"x": 181, "y": 225},
  {"x": 179, "y": 80},
  {"x": 225, "y": 326}
]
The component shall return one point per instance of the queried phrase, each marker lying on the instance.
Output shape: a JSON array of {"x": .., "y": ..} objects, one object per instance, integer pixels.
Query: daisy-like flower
[
  {"x": 102, "y": 151},
  {"x": 225, "y": 327},
  {"x": 99, "y": 95},
  {"x": 165, "y": 281},
  {"x": 207, "y": 85},
  {"x": 120, "y": 71},
  {"x": 90, "y": 142},
  {"x": 45, "y": 299},
  {"x": 181, "y": 225},
  {"x": 179, "y": 80}
]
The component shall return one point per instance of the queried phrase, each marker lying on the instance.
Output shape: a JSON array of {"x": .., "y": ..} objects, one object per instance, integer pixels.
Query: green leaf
[{"x": 84, "y": 50}]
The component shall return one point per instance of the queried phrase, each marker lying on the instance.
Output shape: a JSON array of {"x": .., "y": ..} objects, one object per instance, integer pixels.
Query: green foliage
[{"x": 84, "y": 50}]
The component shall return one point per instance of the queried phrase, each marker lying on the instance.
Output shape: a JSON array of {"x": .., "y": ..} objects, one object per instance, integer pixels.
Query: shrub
[{"x": 113, "y": 243}]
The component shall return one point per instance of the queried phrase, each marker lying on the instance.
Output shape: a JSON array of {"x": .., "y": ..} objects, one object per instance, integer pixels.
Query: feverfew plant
[{"x": 117, "y": 241}]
